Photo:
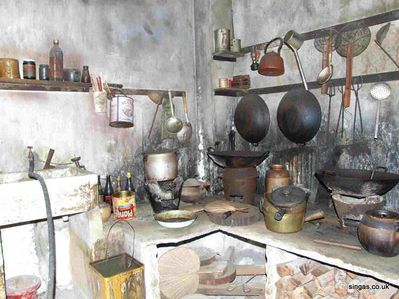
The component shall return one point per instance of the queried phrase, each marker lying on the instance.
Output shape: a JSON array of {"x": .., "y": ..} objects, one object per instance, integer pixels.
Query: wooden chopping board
[{"x": 238, "y": 218}]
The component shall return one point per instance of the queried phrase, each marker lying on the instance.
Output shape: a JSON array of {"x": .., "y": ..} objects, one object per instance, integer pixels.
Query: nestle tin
[
  {"x": 124, "y": 205},
  {"x": 222, "y": 40}
]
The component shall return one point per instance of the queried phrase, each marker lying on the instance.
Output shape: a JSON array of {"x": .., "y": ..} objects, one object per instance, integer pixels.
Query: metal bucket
[
  {"x": 121, "y": 111},
  {"x": 118, "y": 277}
]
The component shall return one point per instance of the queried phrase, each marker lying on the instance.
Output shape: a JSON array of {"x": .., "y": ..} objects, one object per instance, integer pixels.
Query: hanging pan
[{"x": 299, "y": 112}]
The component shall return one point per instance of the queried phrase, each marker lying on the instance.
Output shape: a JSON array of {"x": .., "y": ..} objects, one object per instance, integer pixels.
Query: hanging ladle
[
  {"x": 173, "y": 124},
  {"x": 186, "y": 131}
]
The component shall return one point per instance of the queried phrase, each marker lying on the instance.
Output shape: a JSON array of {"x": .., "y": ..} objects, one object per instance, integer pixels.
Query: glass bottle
[
  {"x": 56, "y": 62},
  {"x": 85, "y": 75},
  {"x": 118, "y": 187},
  {"x": 129, "y": 184},
  {"x": 108, "y": 191},
  {"x": 100, "y": 191}
]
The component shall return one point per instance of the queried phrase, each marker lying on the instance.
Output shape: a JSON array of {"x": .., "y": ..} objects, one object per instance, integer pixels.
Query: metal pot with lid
[
  {"x": 378, "y": 232},
  {"x": 285, "y": 210}
]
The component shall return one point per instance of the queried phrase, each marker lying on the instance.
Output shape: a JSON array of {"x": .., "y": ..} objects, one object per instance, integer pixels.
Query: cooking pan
[
  {"x": 252, "y": 118},
  {"x": 236, "y": 159},
  {"x": 357, "y": 183},
  {"x": 299, "y": 112}
]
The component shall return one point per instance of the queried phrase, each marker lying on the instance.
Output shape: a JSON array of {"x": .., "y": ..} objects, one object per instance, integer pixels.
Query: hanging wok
[
  {"x": 252, "y": 118},
  {"x": 299, "y": 112}
]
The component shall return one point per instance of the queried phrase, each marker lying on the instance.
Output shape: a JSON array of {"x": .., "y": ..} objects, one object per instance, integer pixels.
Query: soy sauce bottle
[
  {"x": 100, "y": 190},
  {"x": 108, "y": 191},
  {"x": 129, "y": 184}
]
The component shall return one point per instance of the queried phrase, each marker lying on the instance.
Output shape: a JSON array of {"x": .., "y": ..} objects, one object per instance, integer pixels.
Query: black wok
[
  {"x": 252, "y": 118},
  {"x": 357, "y": 183},
  {"x": 237, "y": 159},
  {"x": 299, "y": 112}
]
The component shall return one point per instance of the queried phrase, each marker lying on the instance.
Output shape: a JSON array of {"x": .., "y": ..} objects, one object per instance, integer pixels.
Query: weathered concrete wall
[
  {"x": 141, "y": 44},
  {"x": 259, "y": 21}
]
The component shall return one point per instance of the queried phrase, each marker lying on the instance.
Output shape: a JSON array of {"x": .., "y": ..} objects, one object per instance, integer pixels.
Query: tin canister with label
[
  {"x": 222, "y": 40},
  {"x": 121, "y": 111},
  {"x": 124, "y": 205}
]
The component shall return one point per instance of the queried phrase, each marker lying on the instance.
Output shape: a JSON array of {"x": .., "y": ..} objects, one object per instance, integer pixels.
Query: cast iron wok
[
  {"x": 236, "y": 159},
  {"x": 357, "y": 183}
]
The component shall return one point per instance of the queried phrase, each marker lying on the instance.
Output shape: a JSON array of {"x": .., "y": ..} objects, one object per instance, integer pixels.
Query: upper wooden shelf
[
  {"x": 371, "y": 78},
  {"x": 43, "y": 85},
  {"x": 144, "y": 92}
]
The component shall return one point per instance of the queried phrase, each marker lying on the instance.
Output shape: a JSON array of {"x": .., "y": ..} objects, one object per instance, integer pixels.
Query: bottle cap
[
  {"x": 128, "y": 174},
  {"x": 56, "y": 41}
]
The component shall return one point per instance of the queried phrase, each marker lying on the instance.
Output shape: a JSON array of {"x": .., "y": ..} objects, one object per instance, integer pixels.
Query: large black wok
[
  {"x": 357, "y": 183},
  {"x": 252, "y": 118},
  {"x": 299, "y": 112},
  {"x": 236, "y": 159}
]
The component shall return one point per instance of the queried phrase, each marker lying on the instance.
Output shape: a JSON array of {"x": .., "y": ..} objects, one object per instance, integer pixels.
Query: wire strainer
[{"x": 379, "y": 91}]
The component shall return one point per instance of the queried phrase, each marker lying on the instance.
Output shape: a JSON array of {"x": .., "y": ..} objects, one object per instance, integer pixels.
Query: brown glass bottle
[
  {"x": 108, "y": 191},
  {"x": 56, "y": 62}
]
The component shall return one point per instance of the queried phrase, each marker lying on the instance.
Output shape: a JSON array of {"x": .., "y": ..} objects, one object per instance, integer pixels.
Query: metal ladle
[
  {"x": 173, "y": 124},
  {"x": 186, "y": 131},
  {"x": 379, "y": 91}
]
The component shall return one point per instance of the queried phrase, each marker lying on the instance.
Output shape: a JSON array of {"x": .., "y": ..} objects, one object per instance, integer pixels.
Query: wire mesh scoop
[
  {"x": 379, "y": 91},
  {"x": 352, "y": 40}
]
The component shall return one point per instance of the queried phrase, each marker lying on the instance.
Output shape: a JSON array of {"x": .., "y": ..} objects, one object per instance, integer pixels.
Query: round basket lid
[{"x": 287, "y": 197}]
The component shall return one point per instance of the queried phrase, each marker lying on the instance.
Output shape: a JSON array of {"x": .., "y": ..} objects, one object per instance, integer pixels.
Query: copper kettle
[{"x": 271, "y": 63}]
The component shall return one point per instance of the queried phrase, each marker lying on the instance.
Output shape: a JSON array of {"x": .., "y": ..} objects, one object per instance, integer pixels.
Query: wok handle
[
  {"x": 348, "y": 82},
  {"x": 318, "y": 214},
  {"x": 325, "y": 63},
  {"x": 298, "y": 62}
]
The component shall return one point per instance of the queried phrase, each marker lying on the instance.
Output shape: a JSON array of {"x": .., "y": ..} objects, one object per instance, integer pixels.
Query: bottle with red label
[{"x": 108, "y": 191}]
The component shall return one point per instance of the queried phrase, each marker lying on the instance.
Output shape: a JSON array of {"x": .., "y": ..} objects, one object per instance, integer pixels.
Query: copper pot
[
  {"x": 277, "y": 176},
  {"x": 378, "y": 232},
  {"x": 193, "y": 190},
  {"x": 271, "y": 63}
]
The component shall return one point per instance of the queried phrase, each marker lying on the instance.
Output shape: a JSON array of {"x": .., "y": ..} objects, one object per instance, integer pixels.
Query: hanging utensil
[
  {"x": 186, "y": 131},
  {"x": 271, "y": 64},
  {"x": 155, "y": 97},
  {"x": 331, "y": 93},
  {"x": 356, "y": 87},
  {"x": 153, "y": 121},
  {"x": 299, "y": 112},
  {"x": 379, "y": 91},
  {"x": 351, "y": 42},
  {"x": 326, "y": 45},
  {"x": 380, "y": 36},
  {"x": 341, "y": 113},
  {"x": 173, "y": 124}
]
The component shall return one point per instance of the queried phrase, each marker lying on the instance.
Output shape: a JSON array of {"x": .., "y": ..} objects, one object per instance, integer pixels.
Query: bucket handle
[
  {"x": 134, "y": 237},
  {"x": 122, "y": 92}
]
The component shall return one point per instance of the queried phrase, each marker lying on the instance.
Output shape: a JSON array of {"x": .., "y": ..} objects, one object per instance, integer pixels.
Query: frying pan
[
  {"x": 357, "y": 183},
  {"x": 299, "y": 112},
  {"x": 236, "y": 159}
]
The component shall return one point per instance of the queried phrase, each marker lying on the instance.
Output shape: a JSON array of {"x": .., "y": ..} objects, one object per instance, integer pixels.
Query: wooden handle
[
  {"x": 185, "y": 102},
  {"x": 343, "y": 245},
  {"x": 348, "y": 83},
  {"x": 318, "y": 214},
  {"x": 324, "y": 64}
]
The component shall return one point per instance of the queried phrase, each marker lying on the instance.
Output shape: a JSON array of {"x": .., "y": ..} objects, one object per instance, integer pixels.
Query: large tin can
[
  {"x": 121, "y": 111},
  {"x": 222, "y": 40},
  {"x": 124, "y": 205}
]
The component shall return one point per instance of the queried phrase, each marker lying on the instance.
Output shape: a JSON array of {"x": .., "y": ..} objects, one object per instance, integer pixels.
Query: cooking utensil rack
[
  {"x": 368, "y": 21},
  {"x": 371, "y": 78}
]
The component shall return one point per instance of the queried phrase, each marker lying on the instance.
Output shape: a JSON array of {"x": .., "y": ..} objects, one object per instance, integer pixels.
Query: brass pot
[
  {"x": 277, "y": 176},
  {"x": 285, "y": 210},
  {"x": 378, "y": 232}
]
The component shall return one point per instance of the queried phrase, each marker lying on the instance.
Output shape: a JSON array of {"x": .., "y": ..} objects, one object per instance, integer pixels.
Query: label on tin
[{"x": 124, "y": 207}]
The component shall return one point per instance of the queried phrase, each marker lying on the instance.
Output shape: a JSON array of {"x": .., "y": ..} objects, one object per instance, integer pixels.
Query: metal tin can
[
  {"x": 235, "y": 45},
  {"x": 121, "y": 112},
  {"x": 44, "y": 71},
  {"x": 224, "y": 82},
  {"x": 29, "y": 69},
  {"x": 124, "y": 205},
  {"x": 9, "y": 68},
  {"x": 222, "y": 40}
]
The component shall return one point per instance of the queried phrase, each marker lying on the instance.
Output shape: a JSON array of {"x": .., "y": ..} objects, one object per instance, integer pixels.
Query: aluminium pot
[
  {"x": 378, "y": 232},
  {"x": 160, "y": 166},
  {"x": 285, "y": 210}
]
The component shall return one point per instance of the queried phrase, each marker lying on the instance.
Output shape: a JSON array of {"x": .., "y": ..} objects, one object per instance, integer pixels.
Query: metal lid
[{"x": 287, "y": 197}]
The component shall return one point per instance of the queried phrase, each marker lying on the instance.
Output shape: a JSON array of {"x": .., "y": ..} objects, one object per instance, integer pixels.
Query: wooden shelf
[
  {"x": 368, "y": 21},
  {"x": 42, "y": 85},
  {"x": 371, "y": 78},
  {"x": 227, "y": 56},
  {"x": 144, "y": 92}
]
